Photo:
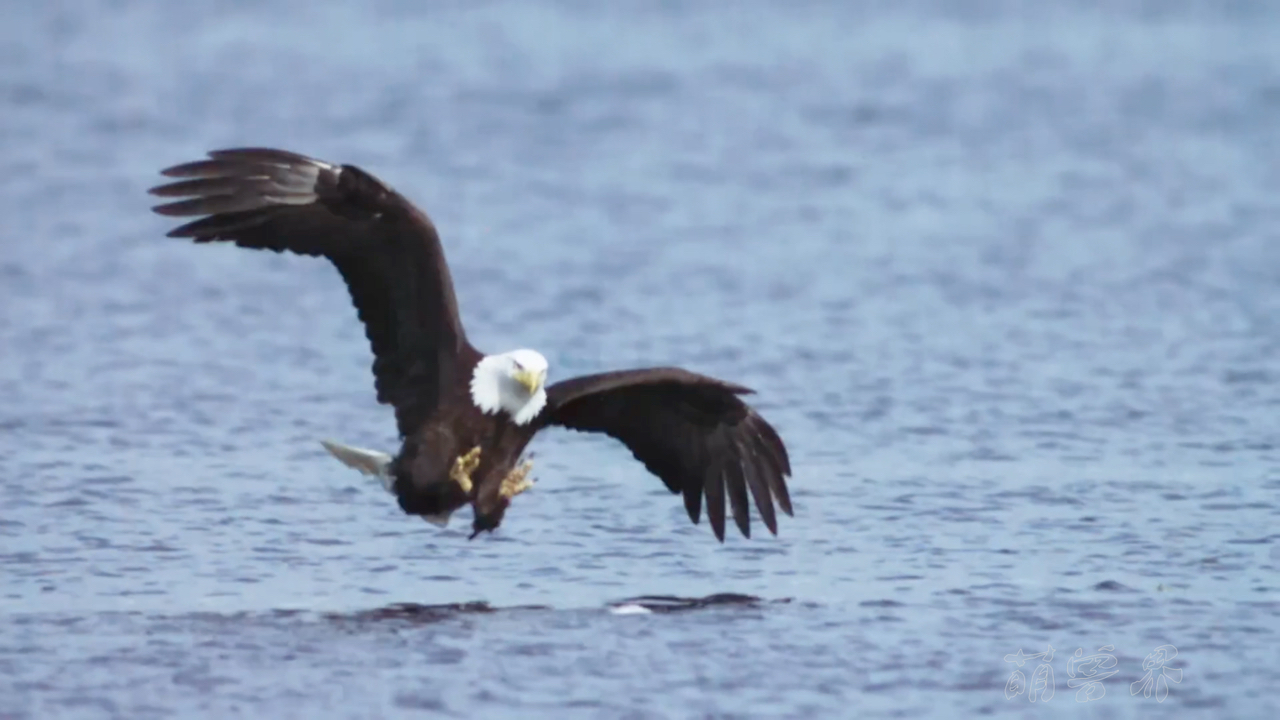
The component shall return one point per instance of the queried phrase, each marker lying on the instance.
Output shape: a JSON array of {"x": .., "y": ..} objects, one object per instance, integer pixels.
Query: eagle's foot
[
  {"x": 463, "y": 467},
  {"x": 516, "y": 481}
]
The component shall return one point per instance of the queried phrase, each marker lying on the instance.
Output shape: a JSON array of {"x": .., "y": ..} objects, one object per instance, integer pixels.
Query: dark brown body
[{"x": 424, "y": 485}]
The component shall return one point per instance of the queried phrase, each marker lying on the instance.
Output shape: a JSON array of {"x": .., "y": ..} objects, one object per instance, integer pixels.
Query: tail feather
[
  {"x": 441, "y": 520},
  {"x": 377, "y": 464},
  {"x": 369, "y": 462}
]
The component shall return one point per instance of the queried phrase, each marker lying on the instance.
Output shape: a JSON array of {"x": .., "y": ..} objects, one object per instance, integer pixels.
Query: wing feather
[
  {"x": 773, "y": 448},
  {"x": 736, "y": 485},
  {"x": 713, "y": 485},
  {"x": 387, "y": 251},
  {"x": 758, "y": 486},
  {"x": 693, "y": 432}
]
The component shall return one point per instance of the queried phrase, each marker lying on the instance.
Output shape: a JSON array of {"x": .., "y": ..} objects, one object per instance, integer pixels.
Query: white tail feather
[
  {"x": 369, "y": 462},
  {"x": 441, "y": 520},
  {"x": 377, "y": 464}
]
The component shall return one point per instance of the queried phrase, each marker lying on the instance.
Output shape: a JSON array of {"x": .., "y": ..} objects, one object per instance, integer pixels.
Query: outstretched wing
[
  {"x": 386, "y": 250},
  {"x": 690, "y": 430}
]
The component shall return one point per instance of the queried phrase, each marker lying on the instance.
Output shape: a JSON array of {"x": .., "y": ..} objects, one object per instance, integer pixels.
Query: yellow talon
[
  {"x": 463, "y": 467},
  {"x": 516, "y": 481}
]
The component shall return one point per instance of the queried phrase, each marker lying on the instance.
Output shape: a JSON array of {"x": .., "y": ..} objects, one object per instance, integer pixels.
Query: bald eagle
[{"x": 464, "y": 417}]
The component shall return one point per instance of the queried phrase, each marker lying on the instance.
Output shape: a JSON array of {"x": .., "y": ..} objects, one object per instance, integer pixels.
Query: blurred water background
[{"x": 1003, "y": 274}]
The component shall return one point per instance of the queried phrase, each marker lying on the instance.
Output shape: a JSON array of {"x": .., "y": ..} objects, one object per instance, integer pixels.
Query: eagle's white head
[{"x": 511, "y": 381}]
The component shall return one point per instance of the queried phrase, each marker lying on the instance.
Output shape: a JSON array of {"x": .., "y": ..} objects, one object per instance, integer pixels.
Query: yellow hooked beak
[{"x": 530, "y": 379}]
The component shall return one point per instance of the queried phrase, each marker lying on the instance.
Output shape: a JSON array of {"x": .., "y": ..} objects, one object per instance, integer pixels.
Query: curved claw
[
  {"x": 463, "y": 467},
  {"x": 516, "y": 481}
]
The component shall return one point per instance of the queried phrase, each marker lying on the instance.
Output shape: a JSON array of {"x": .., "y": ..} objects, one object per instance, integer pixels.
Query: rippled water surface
[{"x": 1004, "y": 276}]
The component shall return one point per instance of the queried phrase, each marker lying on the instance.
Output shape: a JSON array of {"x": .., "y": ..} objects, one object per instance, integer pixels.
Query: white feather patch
[
  {"x": 486, "y": 384},
  {"x": 531, "y": 407},
  {"x": 441, "y": 520},
  {"x": 494, "y": 387},
  {"x": 368, "y": 462}
]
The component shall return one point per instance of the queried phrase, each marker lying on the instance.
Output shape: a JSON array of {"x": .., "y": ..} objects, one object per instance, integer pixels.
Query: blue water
[{"x": 1005, "y": 276}]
